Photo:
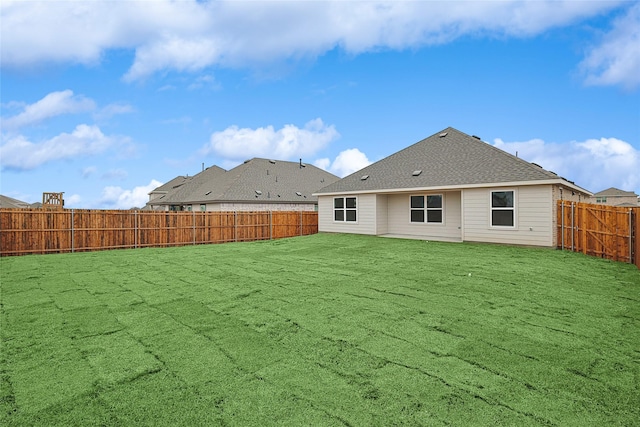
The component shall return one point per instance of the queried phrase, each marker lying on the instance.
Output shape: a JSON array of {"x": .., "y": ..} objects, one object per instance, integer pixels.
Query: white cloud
[
  {"x": 72, "y": 201},
  {"x": 111, "y": 110},
  {"x": 346, "y": 163},
  {"x": 17, "y": 152},
  {"x": 88, "y": 171},
  {"x": 191, "y": 35},
  {"x": 53, "y": 104},
  {"x": 617, "y": 59},
  {"x": 290, "y": 142},
  {"x": 117, "y": 174},
  {"x": 119, "y": 198},
  {"x": 594, "y": 164}
]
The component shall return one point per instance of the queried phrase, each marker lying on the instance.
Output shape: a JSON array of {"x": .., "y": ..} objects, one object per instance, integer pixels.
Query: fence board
[
  {"x": 599, "y": 230},
  {"x": 38, "y": 231}
]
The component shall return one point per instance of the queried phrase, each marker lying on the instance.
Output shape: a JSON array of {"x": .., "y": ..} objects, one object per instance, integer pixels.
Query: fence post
[
  {"x": 193, "y": 216},
  {"x": 270, "y": 225},
  {"x": 630, "y": 236},
  {"x": 301, "y": 222},
  {"x": 235, "y": 226},
  {"x": 135, "y": 229},
  {"x": 573, "y": 248},
  {"x": 562, "y": 224},
  {"x": 72, "y": 232}
]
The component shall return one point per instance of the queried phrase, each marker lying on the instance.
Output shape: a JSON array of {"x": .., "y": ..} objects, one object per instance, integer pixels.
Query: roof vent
[
  {"x": 443, "y": 134},
  {"x": 364, "y": 177},
  {"x": 475, "y": 136},
  {"x": 258, "y": 192},
  {"x": 535, "y": 164},
  {"x": 247, "y": 161},
  {"x": 207, "y": 193},
  {"x": 298, "y": 193},
  {"x": 416, "y": 173},
  {"x": 273, "y": 162}
]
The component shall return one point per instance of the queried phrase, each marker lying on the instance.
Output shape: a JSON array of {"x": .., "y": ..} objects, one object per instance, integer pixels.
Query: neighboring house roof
[
  {"x": 9, "y": 202},
  {"x": 615, "y": 192},
  {"x": 256, "y": 180},
  {"x": 449, "y": 158},
  {"x": 165, "y": 188}
]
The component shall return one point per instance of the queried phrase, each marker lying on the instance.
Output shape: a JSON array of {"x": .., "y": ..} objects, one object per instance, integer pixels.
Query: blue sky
[{"x": 104, "y": 101}]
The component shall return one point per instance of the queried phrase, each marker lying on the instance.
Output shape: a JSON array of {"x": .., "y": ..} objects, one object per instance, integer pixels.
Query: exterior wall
[
  {"x": 400, "y": 217},
  {"x": 366, "y": 216},
  {"x": 382, "y": 215},
  {"x": 534, "y": 216}
]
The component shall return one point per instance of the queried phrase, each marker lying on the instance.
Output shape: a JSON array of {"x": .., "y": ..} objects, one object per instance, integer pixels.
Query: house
[
  {"x": 256, "y": 185},
  {"x": 615, "y": 197},
  {"x": 451, "y": 187},
  {"x": 9, "y": 202}
]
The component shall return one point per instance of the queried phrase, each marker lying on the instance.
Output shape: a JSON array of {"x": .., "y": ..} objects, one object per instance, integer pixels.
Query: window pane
[
  {"x": 417, "y": 202},
  {"x": 351, "y": 215},
  {"x": 502, "y": 218},
  {"x": 417, "y": 216},
  {"x": 434, "y": 201},
  {"x": 434, "y": 215},
  {"x": 338, "y": 215},
  {"x": 351, "y": 202},
  {"x": 338, "y": 202},
  {"x": 502, "y": 199}
]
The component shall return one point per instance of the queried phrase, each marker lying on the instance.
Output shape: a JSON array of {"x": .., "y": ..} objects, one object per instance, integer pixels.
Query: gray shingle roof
[
  {"x": 10, "y": 202},
  {"x": 256, "y": 180},
  {"x": 446, "y": 158},
  {"x": 165, "y": 188},
  {"x": 615, "y": 192}
]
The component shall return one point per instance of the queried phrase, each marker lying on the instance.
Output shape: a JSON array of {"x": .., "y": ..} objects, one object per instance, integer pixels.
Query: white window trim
[
  {"x": 514, "y": 208},
  {"x": 333, "y": 209},
  {"x": 431, "y": 224}
]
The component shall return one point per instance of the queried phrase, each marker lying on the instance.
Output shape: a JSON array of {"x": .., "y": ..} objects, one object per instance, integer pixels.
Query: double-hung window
[
  {"x": 344, "y": 209},
  {"x": 427, "y": 208},
  {"x": 503, "y": 211}
]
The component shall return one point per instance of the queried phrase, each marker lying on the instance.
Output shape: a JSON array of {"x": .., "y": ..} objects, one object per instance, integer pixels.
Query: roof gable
[
  {"x": 615, "y": 192},
  {"x": 446, "y": 158}
]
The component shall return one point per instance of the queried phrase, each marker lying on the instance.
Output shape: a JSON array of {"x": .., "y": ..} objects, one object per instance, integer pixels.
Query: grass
[{"x": 320, "y": 330}]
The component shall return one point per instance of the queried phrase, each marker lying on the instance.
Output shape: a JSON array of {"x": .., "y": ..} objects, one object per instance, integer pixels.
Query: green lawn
[{"x": 320, "y": 330}]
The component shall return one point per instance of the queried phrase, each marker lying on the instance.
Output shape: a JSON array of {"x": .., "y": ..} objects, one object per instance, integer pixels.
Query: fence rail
[
  {"x": 610, "y": 232},
  {"x": 38, "y": 231}
]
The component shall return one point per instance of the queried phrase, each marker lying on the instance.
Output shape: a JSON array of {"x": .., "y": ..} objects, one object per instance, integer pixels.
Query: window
[
  {"x": 344, "y": 209},
  {"x": 502, "y": 209},
  {"x": 427, "y": 208},
  {"x": 203, "y": 208}
]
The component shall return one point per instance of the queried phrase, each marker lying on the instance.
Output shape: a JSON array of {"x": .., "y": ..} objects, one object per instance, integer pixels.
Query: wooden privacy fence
[
  {"x": 38, "y": 231},
  {"x": 610, "y": 232}
]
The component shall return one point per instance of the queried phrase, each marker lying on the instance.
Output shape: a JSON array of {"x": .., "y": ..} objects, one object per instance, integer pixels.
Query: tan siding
[
  {"x": 400, "y": 217},
  {"x": 534, "y": 217},
  {"x": 382, "y": 208},
  {"x": 366, "y": 216}
]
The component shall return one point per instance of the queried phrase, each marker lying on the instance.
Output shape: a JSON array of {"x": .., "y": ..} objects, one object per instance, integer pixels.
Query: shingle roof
[
  {"x": 256, "y": 180},
  {"x": 446, "y": 158},
  {"x": 9, "y": 202},
  {"x": 165, "y": 188},
  {"x": 615, "y": 192}
]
